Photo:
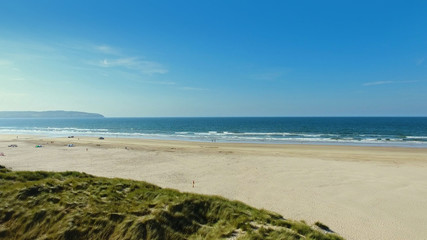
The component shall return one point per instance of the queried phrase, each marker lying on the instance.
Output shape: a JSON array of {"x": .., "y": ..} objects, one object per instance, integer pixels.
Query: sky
[{"x": 214, "y": 58}]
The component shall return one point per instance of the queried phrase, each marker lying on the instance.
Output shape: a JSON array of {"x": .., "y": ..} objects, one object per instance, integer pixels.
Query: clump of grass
[
  {"x": 3, "y": 169},
  {"x": 72, "y": 205},
  {"x": 323, "y": 226}
]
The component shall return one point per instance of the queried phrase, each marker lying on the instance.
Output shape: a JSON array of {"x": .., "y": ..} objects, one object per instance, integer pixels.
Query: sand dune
[{"x": 360, "y": 192}]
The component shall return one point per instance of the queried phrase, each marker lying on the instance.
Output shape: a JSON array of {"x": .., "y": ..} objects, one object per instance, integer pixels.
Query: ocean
[{"x": 371, "y": 131}]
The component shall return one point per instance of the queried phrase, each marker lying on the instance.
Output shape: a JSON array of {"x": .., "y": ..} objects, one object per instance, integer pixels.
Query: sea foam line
[{"x": 273, "y": 137}]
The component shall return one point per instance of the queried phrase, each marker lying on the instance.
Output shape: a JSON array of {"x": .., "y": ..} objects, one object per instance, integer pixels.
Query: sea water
[{"x": 376, "y": 131}]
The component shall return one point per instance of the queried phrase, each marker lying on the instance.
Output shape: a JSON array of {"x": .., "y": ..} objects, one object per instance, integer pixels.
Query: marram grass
[{"x": 72, "y": 205}]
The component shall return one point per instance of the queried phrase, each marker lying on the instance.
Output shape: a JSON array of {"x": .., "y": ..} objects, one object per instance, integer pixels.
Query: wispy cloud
[
  {"x": 163, "y": 82},
  {"x": 102, "y": 59},
  {"x": 88, "y": 48},
  {"x": 107, "y": 56},
  {"x": 192, "y": 89},
  {"x": 420, "y": 61},
  {"x": 10, "y": 65},
  {"x": 133, "y": 63},
  {"x": 386, "y": 82},
  {"x": 157, "y": 82},
  {"x": 11, "y": 78},
  {"x": 106, "y": 49},
  {"x": 377, "y": 83}
]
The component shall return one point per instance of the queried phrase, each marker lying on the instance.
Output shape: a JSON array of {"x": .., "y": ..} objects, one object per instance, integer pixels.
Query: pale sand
[{"x": 360, "y": 192}]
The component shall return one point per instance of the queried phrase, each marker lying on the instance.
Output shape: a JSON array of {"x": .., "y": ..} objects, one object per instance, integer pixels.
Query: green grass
[{"x": 72, "y": 205}]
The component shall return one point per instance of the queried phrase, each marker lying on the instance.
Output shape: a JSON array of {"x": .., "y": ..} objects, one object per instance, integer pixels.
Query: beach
[{"x": 359, "y": 192}]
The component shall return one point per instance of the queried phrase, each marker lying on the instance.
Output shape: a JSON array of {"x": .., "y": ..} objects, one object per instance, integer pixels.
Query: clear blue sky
[{"x": 215, "y": 58}]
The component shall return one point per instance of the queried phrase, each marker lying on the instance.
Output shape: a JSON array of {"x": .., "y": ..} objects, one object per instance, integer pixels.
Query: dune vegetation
[{"x": 72, "y": 205}]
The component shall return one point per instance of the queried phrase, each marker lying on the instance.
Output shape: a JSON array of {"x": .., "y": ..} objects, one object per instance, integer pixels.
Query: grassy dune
[{"x": 72, "y": 205}]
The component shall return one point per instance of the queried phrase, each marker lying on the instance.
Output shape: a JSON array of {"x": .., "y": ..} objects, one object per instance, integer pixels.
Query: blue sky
[{"x": 215, "y": 58}]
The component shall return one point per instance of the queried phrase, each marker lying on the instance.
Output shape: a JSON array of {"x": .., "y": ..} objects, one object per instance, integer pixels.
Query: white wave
[
  {"x": 264, "y": 137},
  {"x": 417, "y": 137}
]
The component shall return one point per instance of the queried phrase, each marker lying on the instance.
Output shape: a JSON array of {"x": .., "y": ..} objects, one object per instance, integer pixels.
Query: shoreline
[
  {"x": 255, "y": 143},
  {"x": 381, "y": 190},
  {"x": 140, "y": 142}
]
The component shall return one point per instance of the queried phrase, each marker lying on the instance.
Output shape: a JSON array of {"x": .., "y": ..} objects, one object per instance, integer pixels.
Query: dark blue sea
[{"x": 376, "y": 131}]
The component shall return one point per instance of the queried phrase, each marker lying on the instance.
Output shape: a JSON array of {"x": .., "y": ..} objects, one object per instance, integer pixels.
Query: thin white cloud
[
  {"x": 386, "y": 82},
  {"x": 155, "y": 82},
  {"x": 112, "y": 57},
  {"x": 106, "y": 49},
  {"x": 88, "y": 48},
  {"x": 106, "y": 59},
  {"x": 18, "y": 79},
  {"x": 143, "y": 66},
  {"x": 162, "y": 82},
  {"x": 192, "y": 89},
  {"x": 12, "y": 78},
  {"x": 7, "y": 64},
  {"x": 420, "y": 61},
  {"x": 377, "y": 83}
]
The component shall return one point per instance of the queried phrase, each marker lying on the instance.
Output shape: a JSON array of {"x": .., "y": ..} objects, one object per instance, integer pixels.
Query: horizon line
[{"x": 361, "y": 116}]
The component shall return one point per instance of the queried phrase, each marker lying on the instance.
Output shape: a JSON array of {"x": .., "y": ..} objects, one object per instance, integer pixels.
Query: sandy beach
[{"x": 359, "y": 192}]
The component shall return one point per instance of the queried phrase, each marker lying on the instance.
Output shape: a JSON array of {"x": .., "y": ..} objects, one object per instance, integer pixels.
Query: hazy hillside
[
  {"x": 72, "y": 205},
  {"x": 48, "y": 114}
]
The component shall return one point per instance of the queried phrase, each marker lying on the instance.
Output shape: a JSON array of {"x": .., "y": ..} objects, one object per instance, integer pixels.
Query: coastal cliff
[{"x": 48, "y": 114}]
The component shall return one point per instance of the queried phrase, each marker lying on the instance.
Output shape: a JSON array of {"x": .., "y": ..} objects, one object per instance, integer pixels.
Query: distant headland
[{"x": 48, "y": 114}]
